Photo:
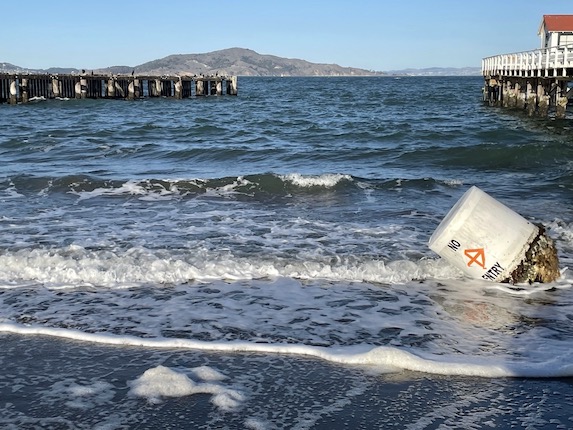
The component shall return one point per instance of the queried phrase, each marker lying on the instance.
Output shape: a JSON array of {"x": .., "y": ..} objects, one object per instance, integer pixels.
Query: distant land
[
  {"x": 245, "y": 62},
  {"x": 439, "y": 71}
]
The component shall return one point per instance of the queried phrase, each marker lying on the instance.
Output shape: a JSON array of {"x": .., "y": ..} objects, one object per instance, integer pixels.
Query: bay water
[{"x": 261, "y": 261}]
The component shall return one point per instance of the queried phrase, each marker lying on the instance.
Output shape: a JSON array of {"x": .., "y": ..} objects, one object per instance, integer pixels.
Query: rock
[{"x": 540, "y": 264}]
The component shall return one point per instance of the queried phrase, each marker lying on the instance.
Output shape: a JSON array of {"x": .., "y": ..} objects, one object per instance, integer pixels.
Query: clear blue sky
[{"x": 371, "y": 34}]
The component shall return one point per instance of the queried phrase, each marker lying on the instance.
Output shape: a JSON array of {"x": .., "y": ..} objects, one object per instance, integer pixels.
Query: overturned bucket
[{"x": 487, "y": 240}]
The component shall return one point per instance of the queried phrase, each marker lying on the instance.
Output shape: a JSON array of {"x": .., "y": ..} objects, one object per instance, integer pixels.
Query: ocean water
[{"x": 261, "y": 261}]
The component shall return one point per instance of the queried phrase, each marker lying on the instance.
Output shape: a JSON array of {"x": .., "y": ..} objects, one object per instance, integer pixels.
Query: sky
[{"x": 379, "y": 35}]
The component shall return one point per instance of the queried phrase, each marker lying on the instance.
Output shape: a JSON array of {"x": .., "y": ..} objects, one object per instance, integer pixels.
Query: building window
[{"x": 566, "y": 38}]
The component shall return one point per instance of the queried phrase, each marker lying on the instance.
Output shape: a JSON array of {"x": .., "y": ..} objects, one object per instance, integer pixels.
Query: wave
[
  {"x": 75, "y": 265},
  {"x": 383, "y": 358},
  {"x": 269, "y": 184},
  {"x": 489, "y": 156}
]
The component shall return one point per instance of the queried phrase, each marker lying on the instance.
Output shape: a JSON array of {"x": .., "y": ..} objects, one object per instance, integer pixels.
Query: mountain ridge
[{"x": 241, "y": 62}]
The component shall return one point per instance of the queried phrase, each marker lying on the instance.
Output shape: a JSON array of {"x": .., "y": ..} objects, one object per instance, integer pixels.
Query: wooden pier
[
  {"x": 538, "y": 81},
  {"x": 535, "y": 81},
  {"x": 22, "y": 88}
]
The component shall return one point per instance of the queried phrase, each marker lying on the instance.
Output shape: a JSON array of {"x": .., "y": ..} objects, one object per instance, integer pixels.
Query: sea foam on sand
[{"x": 159, "y": 382}]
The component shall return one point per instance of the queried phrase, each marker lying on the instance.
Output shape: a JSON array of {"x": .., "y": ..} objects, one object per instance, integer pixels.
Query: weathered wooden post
[
  {"x": 505, "y": 90},
  {"x": 68, "y": 87},
  {"x": 492, "y": 90},
  {"x": 167, "y": 87},
  {"x": 186, "y": 88},
  {"x": 520, "y": 97},
  {"x": 96, "y": 85},
  {"x": 56, "y": 87},
  {"x": 131, "y": 90},
  {"x": 13, "y": 91},
  {"x": 531, "y": 96},
  {"x": 233, "y": 87},
  {"x": 24, "y": 90},
  {"x": 110, "y": 87},
  {"x": 199, "y": 87},
  {"x": 34, "y": 88},
  {"x": 158, "y": 88},
  {"x": 179, "y": 89},
  {"x": 83, "y": 87},
  {"x": 78, "y": 89},
  {"x": 219, "y": 87},
  {"x": 4, "y": 90},
  {"x": 543, "y": 101},
  {"x": 136, "y": 88},
  {"x": 512, "y": 94},
  {"x": 62, "y": 85},
  {"x": 119, "y": 87},
  {"x": 560, "y": 103}
]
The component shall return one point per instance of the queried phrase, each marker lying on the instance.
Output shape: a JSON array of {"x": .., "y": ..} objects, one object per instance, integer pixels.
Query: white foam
[
  {"x": 207, "y": 373},
  {"x": 525, "y": 290},
  {"x": 147, "y": 191},
  {"x": 453, "y": 182},
  {"x": 75, "y": 265},
  {"x": 162, "y": 382},
  {"x": 133, "y": 188},
  {"x": 325, "y": 180},
  {"x": 257, "y": 424},
  {"x": 563, "y": 230},
  {"x": 10, "y": 192},
  {"x": 82, "y": 395},
  {"x": 159, "y": 382}
]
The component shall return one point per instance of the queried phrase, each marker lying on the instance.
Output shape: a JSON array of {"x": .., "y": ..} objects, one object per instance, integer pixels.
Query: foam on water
[
  {"x": 82, "y": 395},
  {"x": 90, "y": 187},
  {"x": 456, "y": 327},
  {"x": 326, "y": 180},
  {"x": 76, "y": 265},
  {"x": 103, "y": 265},
  {"x": 161, "y": 382},
  {"x": 177, "y": 188}
]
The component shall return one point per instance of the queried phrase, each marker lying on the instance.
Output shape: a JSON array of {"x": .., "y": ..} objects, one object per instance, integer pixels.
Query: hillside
[{"x": 243, "y": 62}]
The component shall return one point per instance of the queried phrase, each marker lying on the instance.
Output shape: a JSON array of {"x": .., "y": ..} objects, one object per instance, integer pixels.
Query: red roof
[{"x": 557, "y": 23}]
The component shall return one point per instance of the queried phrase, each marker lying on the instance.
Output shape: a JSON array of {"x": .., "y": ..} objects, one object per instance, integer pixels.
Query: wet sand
[{"x": 49, "y": 383}]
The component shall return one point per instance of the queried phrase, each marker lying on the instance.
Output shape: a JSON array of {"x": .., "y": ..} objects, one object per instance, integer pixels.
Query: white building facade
[{"x": 556, "y": 30}]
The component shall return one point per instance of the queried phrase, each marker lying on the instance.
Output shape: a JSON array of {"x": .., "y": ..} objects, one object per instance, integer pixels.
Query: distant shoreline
[{"x": 245, "y": 62}]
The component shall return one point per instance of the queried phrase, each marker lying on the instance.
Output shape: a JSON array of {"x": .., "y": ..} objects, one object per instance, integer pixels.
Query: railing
[{"x": 552, "y": 61}]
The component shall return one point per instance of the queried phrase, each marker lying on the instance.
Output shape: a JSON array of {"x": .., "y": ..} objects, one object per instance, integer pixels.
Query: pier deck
[{"x": 22, "y": 87}]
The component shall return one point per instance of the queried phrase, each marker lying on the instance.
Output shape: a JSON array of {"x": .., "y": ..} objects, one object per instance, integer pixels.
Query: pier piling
[
  {"x": 13, "y": 92},
  {"x": 537, "y": 82},
  {"x": 18, "y": 88}
]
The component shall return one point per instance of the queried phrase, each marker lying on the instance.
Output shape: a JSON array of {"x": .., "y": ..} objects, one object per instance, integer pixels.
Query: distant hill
[
  {"x": 439, "y": 71},
  {"x": 9, "y": 68},
  {"x": 245, "y": 62}
]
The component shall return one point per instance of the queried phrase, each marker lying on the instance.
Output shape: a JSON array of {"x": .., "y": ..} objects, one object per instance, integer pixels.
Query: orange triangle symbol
[{"x": 476, "y": 256}]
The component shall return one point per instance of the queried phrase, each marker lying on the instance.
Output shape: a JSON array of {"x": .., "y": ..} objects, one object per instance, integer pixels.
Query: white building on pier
[{"x": 535, "y": 80}]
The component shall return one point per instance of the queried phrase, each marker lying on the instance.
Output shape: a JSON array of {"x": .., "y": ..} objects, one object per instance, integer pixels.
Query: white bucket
[{"x": 482, "y": 237}]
